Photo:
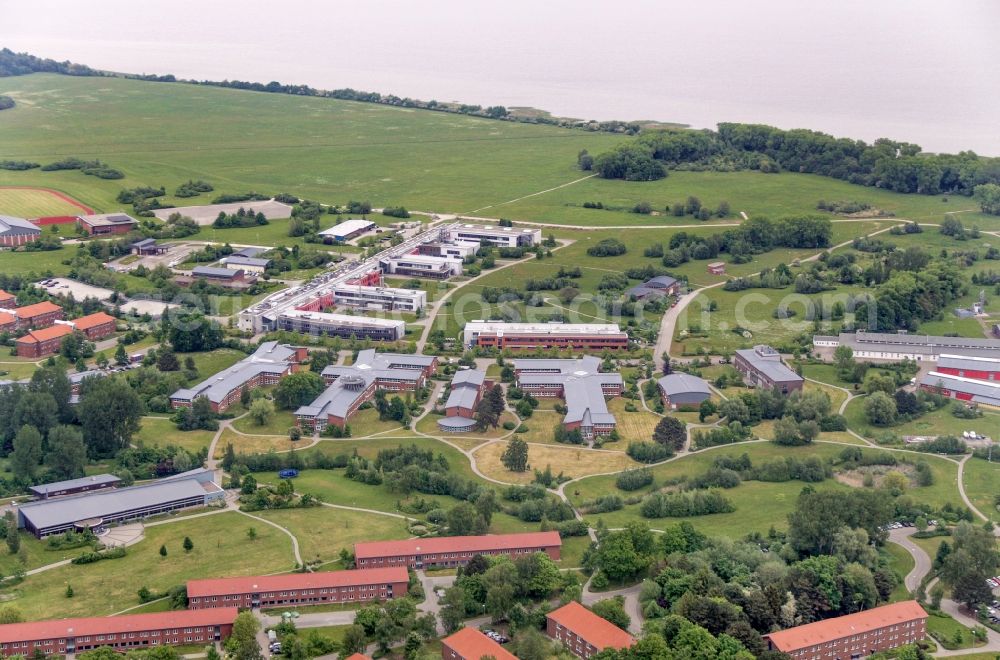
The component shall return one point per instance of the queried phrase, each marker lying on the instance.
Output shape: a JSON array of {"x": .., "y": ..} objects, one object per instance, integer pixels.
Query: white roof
[
  {"x": 348, "y": 227},
  {"x": 344, "y": 319}
]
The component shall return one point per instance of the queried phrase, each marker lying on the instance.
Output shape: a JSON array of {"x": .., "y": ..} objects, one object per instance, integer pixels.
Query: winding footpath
[{"x": 921, "y": 568}]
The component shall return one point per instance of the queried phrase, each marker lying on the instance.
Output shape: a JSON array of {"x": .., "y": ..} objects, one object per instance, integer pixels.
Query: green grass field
[
  {"x": 938, "y": 422},
  {"x": 323, "y": 531},
  {"x": 901, "y": 562},
  {"x": 278, "y": 424},
  {"x": 982, "y": 484},
  {"x": 34, "y": 203},
  {"x": 162, "y": 431},
  {"x": 221, "y": 548}
]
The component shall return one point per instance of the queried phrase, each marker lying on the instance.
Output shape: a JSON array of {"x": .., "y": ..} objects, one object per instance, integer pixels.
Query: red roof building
[
  {"x": 299, "y": 588},
  {"x": 96, "y": 326},
  {"x": 583, "y": 632},
  {"x": 454, "y": 550},
  {"x": 130, "y": 631},
  {"x": 7, "y": 300},
  {"x": 39, "y": 343},
  {"x": 39, "y": 315},
  {"x": 8, "y": 322},
  {"x": 470, "y": 644},
  {"x": 854, "y": 635},
  {"x": 358, "y": 656}
]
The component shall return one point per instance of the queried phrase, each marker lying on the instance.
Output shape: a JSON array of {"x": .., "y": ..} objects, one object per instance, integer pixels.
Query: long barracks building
[
  {"x": 529, "y": 336},
  {"x": 122, "y": 633},
  {"x": 341, "y": 325},
  {"x": 454, "y": 550},
  {"x": 298, "y": 588}
]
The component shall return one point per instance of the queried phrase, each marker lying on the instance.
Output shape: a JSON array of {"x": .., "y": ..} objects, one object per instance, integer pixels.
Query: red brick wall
[
  {"x": 303, "y": 597},
  {"x": 100, "y": 331}
]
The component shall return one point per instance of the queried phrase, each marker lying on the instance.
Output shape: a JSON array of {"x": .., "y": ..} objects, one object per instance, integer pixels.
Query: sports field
[{"x": 37, "y": 202}]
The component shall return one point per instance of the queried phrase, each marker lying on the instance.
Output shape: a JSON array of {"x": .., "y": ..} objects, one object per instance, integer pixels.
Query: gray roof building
[
  {"x": 213, "y": 272},
  {"x": 92, "y": 482},
  {"x": 761, "y": 366},
  {"x": 13, "y": 226},
  {"x": 978, "y": 391},
  {"x": 584, "y": 386},
  {"x": 270, "y": 358},
  {"x": 253, "y": 262},
  {"x": 249, "y": 252},
  {"x": 54, "y": 516},
  {"x": 469, "y": 376},
  {"x": 465, "y": 389},
  {"x": 897, "y": 346},
  {"x": 684, "y": 389}
]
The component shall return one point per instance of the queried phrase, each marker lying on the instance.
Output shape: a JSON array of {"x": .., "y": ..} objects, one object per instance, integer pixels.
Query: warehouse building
[
  {"x": 978, "y": 368},
  {"x": 258, "y": 591},
  {"x": 762, "y": 366},
  {"x": 348, "y": 229},
  {"x": 451, "y": 551},
  {"x": 74, "y": 486},
  {"x": 683, "y": 391},
  {"x": 15, "y": 232},
  {"x": 855, "y": 635},
  {"x": 341, "y": 325},
  {"x": 493, "y": 235},
  {"x": 266, "y": 366},
  {"x": 903, "y": 346},
  {"x": 467, "y": 389},
  {"x": 453, "y": 250},
  {"x": 100, "y": 224},
  {"x": 122, "y": 633},
  {"x": 471, "y": 644},
  {"x": 581, "y": 384},
  {"x": 657, "y": 287},
  {"x": 351, "y": 386},
  {"x": 584, "y": 633},
  {"x": 970, "y": 390},
  {"x": 237, "y": 279},
  {"x": 97, "y": 510},
  {"x": 256, "y": 265},
  {"x": 530, "y": 336}
]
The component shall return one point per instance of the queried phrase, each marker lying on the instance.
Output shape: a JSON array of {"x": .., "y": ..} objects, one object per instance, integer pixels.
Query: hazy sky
[{"x": 908, "y": 69}]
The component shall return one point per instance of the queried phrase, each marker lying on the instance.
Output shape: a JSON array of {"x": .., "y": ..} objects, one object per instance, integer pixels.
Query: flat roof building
[
  {"x": 529, "y": 336},
  {"x": 380, "y": 297},
  {"x": 17, "y": 231},
  {"x": 418, "y": 265},
  {"x": 341, "y": 325},
  {"x": 298, "y": 588},
  {"x": 470, "y": 644},
  {"x": 681, "y": 390},
  {"x": 902, "y": 346},
  {"x": 583, "y": 632},
  {"x": 762, "y": 366},
  {"x": 581, "y": 384},
  {"x": 266, "y": 366},
  {"x": 106, "y": 223},
  {"x": 249, "y": 264},
  {"x": 74, "y": 486},
  {"x": 493, "y": 235},
  {"x": 349, "y": 386},
  {"x": 348, "y": 229},
  {"x": 855, "y": 635},
  {"x": 454, "y": 550},
  {"x": 122, "y": 632},
  {"x": 99, "y": 509}
]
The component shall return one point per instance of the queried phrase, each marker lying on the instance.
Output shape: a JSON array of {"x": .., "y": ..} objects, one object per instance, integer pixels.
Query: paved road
[
  {"x": 631, "y": 605},
  {"x": 922, "y": 566}
]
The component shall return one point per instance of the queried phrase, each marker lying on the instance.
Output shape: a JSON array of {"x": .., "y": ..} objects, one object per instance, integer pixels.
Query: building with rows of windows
[{"x": 454, "y": 550}]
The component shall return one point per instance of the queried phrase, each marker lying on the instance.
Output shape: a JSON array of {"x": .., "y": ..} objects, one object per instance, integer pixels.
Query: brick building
[
  {"x": 266, "y": 366},
  {"x": 299, "y": 588},
  {"x": 529, "y": 336},
  {"x": 39, "y": 315},
  {"x": 100, "y": 224},
  {"x": 96, "y": 326},
  {"x": 17, "y": 231},
  {"x": 46, "y": 341},
  {"x": 583, "y": 632},
  {"x": 7, "y": 300},
  {"x": 762, "y": 367},
  {"x": 467, "y": 389},
  {"x": 454, "y": 550},
  {"x": 8, "y": 322},
  {"x": 853, "y": 635},
  {"x": 470, "y": 644},
  {"x": 349, "y": 386},
  {"x": 583, "y": 386},
  {"x": 122, "y": 633}
]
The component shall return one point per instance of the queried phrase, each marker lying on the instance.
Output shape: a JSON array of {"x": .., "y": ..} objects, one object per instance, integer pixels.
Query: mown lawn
[
  {"x": 221, "y": 548},
  {"x": 209, "y": 363},
  {"x": 982, "y": 484},
  {"x": 278, "y": 424},
  {"x": 938, "y": 422},
  {"x": 34, "y": 203},
  {"x": 632, "y": 426},
  {"x": 322, "y": 531},
  {"x": 256, "y": 444},
  {"x": 570, "y": 460},
  {"x": 163, "y": 432},
  {"x": 901, "y": 562}
]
